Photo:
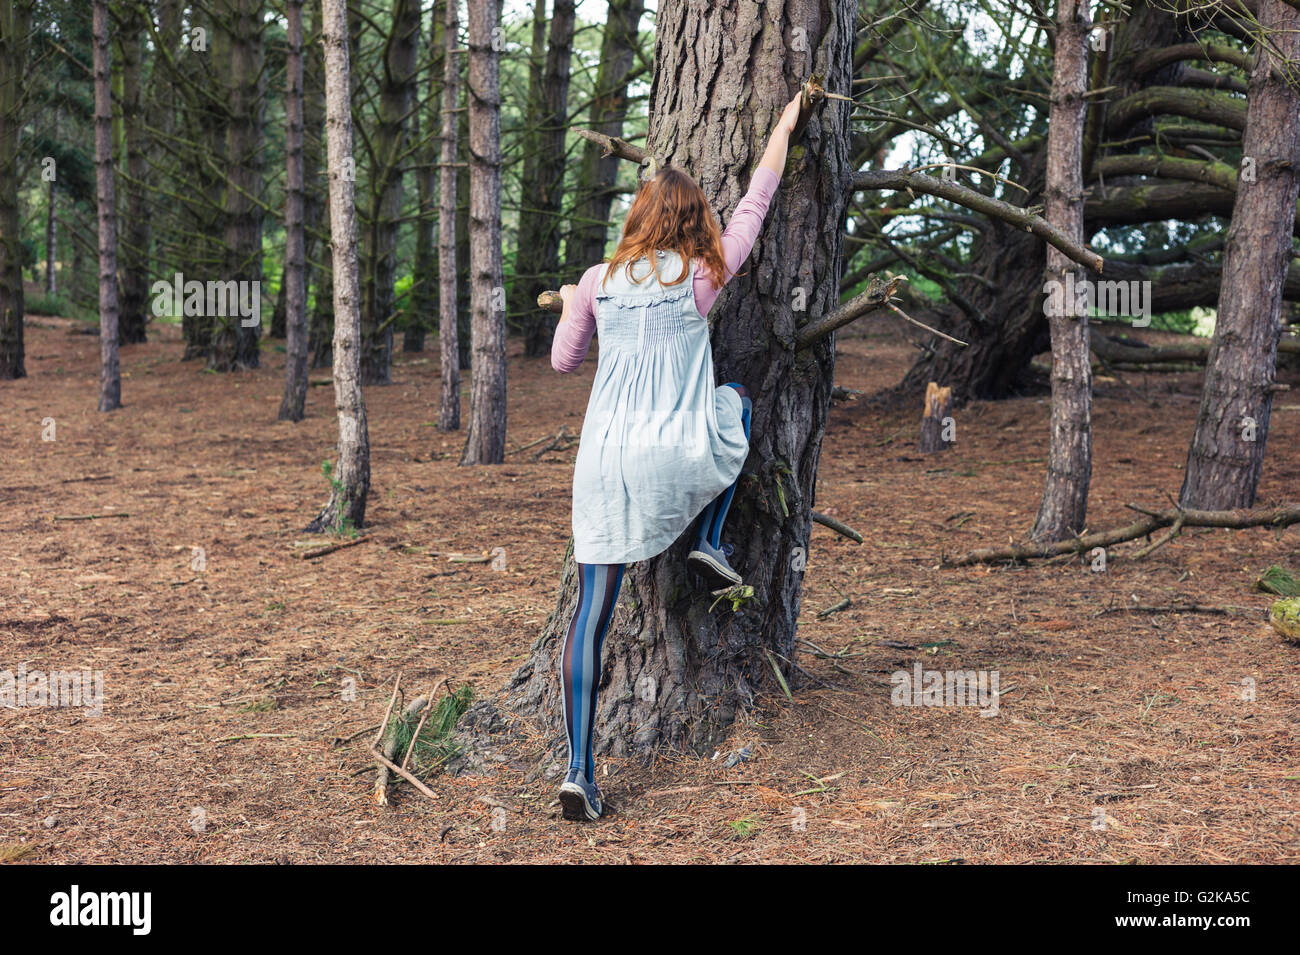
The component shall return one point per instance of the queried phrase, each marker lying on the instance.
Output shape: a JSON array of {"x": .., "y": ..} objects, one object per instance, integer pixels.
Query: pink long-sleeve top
[{"x": 573, "y": 335}]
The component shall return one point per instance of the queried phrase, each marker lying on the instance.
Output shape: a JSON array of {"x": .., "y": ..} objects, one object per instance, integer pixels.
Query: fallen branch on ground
[
  {"x": 1282, "y": 516},
  {"x": 331, "y": 548},
  {"x": 840, "y": 528},
  {"x": 1107, "y": 348}
]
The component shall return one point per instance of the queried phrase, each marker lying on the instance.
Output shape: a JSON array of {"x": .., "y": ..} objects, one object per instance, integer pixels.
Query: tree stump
[{"x": 934, "y": 434}]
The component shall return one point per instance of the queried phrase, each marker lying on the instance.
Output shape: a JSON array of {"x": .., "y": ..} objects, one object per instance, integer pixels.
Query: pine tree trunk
[
  {"x": 295, "y": 252},
  {"x": 1227, "y": 449},
  {"x": 234, "y": 342},
  {"x": 448, "y": 178},
  {"x": 542, "y": 187},
  {"x": 52, "y": 227},
  {"x": 424, "y": 285},
  {"x": 351, "y": 472},
  {"x": 1064, "y": 507},
  {"x": 15, "y": 21},
  {"x": 585, "y": 244},
  {"x": 134, "y": 318},
  {"x": 463, "y": 338},
  {"x": 485, "y": 442},
  {"x": 677, "y": 673},
  {"x": 110, "y": 376},
  {"x": 396, "y": 93}
]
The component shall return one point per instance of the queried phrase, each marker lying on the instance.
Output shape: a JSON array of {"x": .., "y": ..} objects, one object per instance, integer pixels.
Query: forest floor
[{"x": 1120, "y": 736}]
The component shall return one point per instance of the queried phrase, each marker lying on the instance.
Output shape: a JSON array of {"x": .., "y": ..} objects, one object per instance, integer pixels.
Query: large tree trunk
[
  {"x": 134, "y": 318},
  {"x": 585, "y": 245},
  {"x": 15, "y": 22},
  {"x": 486, "y": 441},
  {"x": 542, "y": 187},
  {"x": 234, "y": 343},
  {"x": 110, "y": 376},
  {"x": 1064, "y": 507},
  {"x": 675, "y": 672},
  {"x": 350, "y": 476},
  {"x": 295, "y": 252},
  {"x": 448, "y": 178},
  {"x": 1000, "y": 312},
  {"x": 1227, "y": 448},
  {"x": 397, "y": 90}
]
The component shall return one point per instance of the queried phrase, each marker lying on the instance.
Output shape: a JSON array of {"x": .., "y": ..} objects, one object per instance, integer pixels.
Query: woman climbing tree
[{"x": 661, "y": 445}]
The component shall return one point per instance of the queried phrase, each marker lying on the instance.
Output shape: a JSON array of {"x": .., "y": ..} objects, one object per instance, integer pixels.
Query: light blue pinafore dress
[{"x": 660, "y": 440}]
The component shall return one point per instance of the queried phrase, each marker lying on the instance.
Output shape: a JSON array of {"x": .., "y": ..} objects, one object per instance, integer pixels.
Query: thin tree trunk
[
  {"x": 350, "y": 476},
  {"x": 235, "y": 337},
  {"x": 424, "y": 286},
  {"x": 1064, "y": 507},
  {"x": 52, "y": 224},
  {"x": 448, "y": 177},
  {"x": 1226, "y": 456},
  {"x": 585, "y": 244},
  {"x": 486, "y": 440},
  {"x": 15, "y": 23},
  {"x": 110, "y": 377},
  {"x": 295, "y": 255},
  {"x": 397, "y": 90},
  {"x": 542, "y": 187},
  {"x": 678, "y": 670},
  {"x": 134, "y": 318}
]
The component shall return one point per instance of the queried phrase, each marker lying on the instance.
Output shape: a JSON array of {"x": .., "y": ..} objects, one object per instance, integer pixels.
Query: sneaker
[
  {"x": 579, "y": 799},
  {"x": 711, "y": 563}
]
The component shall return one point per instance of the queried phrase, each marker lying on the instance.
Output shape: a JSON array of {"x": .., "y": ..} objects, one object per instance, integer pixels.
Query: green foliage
[
  {"x": 48, "y": 305},
  {"x": 1278, "y": 580},
  {"x": 434, "y": 746}
]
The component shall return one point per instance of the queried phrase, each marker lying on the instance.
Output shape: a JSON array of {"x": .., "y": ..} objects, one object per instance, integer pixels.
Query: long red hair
[{"x": 671, "y": 213}]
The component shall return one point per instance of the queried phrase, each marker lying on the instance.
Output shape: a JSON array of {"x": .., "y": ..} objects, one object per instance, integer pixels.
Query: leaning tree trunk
[
  {"x": 448, "y": 178},
  {"x": 351, "y": 474},
  {"x": 110, "y": 376},
  {"x": 1227, "y": 449},
  {"x": 677, "y": 673},
  {"x": 15, "y": 21},
  {"x": 1064, "y": 507},
  {"x": 542, "y": 188},
  {"x": 295, "y": 252},
  {"x": 486, "y": 441}
]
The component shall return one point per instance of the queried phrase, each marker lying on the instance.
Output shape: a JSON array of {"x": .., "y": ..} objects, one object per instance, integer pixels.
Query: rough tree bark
[
  {"x": 676, "y": 673},
  {"x": 1226, "y": 455},
  {"x": 110, "y": 376},
  {"x": 234, "y": 343},
  {"x": 351, "y": 473},
  {"x": 448, "y": 178},
  {"x": 15, "y": 24},
  {"x": 295, "y": 252},
  {"x": 1064, "y": 507},
  {"x": 485, "y": 442},
  {"x": 542, "y": 187}
]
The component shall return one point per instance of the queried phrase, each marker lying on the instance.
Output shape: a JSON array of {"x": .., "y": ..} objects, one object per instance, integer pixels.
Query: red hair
[{"x": 671, "y": 213}]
